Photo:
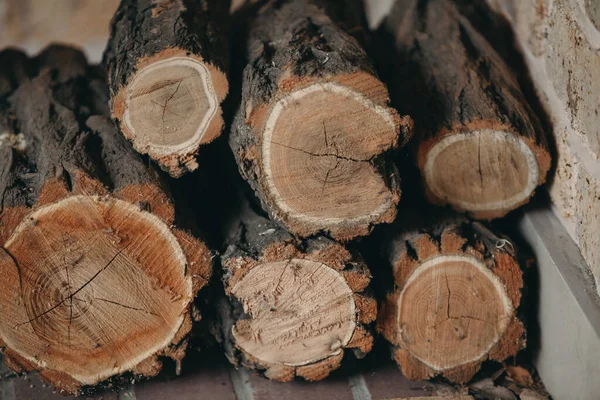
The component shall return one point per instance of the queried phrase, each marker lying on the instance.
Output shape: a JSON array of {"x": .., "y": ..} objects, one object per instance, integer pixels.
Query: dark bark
[
  {"x": 450, "y": 79},
  {"x": 454, "y": 74},
  {"x": 63, "y": 144},
  {"x": 144, "y": 28},
  {"x": 244, "y": 238},
  {"x": 15, "y": 68},
  {"x": 60, "y": 114},
  {"x": 253, "y": 240},
  {"x": 292, "y": 44},
  {"x": 301, "y": 34},
  {"x": 295, "y": 36}
]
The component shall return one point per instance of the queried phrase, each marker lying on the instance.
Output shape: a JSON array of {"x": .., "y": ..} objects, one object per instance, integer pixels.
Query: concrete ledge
[{"x": 569, "y": 310}]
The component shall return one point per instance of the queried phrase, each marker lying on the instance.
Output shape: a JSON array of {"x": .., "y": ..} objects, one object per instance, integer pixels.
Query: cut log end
[
  {"x": 317, "y": 151},
  {"x": 101, "y": 287},
  {"x": 292, "y": 308},
  {"x": 485, "y": 172},
  {"x": 314, "y": 130},
  {"x": 451, "y": 312},
  {"x": 170, "y": 107},
  {"x": 282, "y": 330},
  {"x": 454, "y": 303}
]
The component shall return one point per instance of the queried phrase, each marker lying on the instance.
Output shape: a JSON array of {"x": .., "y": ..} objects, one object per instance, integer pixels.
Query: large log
[
  {"x": 167, "y": 64},
  {"x": 292, "y": 308},
  {"x": 96, "y": 281},
  {"x": 457, "y": 288},
  {"x": 480, "y": 146},
  {"x": 314, "y": 130}
]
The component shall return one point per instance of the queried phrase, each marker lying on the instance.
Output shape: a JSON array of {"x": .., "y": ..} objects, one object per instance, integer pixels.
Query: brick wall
[{"x": 560, "y": 40}]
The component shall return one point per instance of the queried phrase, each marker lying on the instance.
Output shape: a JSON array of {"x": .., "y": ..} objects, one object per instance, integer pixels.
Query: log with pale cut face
[
  {"x": 167, "y": 84},
  {"x": 451, "y": 311},
  {"x": 170, "y": 105},
  {"x": 302, "y": 312},
  {"x": 483, "y": 171},
  {"x": 89, "y": 280},
  {"x": 97, "y": 281},
  {"x": 479, "y": 145},
  {"x": 314, "y": 133},
  {"x": 292, "y": 308},
  {"x": 318, "y": 144},
  {"x": 453, "y": 306}
]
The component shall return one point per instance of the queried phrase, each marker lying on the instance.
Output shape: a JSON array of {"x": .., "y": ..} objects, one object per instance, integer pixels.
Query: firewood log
[
  {"x": 292, "y": 309},
  {"x": 457, "y": 288},
  {"x": 314, "y": 131},
  {"x": 479, "y": 145},
  {"x": 96, "y": 281},
  {"x": 167, "y": 63}
]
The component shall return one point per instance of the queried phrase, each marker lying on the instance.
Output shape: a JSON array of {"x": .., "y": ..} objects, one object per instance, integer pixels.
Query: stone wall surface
[{"x": 560, "y": 42}]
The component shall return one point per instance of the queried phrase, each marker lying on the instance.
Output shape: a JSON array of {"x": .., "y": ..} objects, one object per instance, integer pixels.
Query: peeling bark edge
[
  {"x": 452, "y": 235},
  {"x": 316, "y": 49},
  {"x": 141, "y": 34},
  {"x": 254, "y": 240},
  {"x": 456, "y": 82}
]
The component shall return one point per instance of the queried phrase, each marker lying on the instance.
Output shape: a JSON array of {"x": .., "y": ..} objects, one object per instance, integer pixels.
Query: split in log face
[
  {"x": 167, "y": 62},
  {"x": 314, "y": 133},
  {"x": 170, "y": 105},
  {"x": 482, "y": 170},
  {"x": 464, "y": 329},
  {"x": 101, "y": 286},
  {"x": 286, "y": 329},
  {"x": 457, "y": 289},
  {"x": 318, "y": 143}
]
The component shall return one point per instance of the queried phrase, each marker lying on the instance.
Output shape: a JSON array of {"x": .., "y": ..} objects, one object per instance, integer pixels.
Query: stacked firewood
[{"x": 102, "y": 256}]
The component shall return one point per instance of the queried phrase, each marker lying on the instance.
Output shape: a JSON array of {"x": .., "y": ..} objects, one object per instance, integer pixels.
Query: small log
[
  {"x": 167, "y": 64},
  {"x": 314, "y": 129},
  {"x": 292, "y": 309},
  {"x": 480, "y": 146},
  {"x": 96, "y": 280},
  {"x": 456, "y": 291}
]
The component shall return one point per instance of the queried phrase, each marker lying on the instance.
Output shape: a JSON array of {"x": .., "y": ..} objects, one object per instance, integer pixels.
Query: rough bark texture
[
  {"x": 457, "y": 287},
  {"x": 146, "y": 32},
  {"x": 15, "y": 68},
  {"x": 67, "y": 144},
  {"x": 451, "y": 80},
  {"x": 255, "y": 242},
  {"x": 67, "y": 175},
  {"x": 292, "y": 47}
]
